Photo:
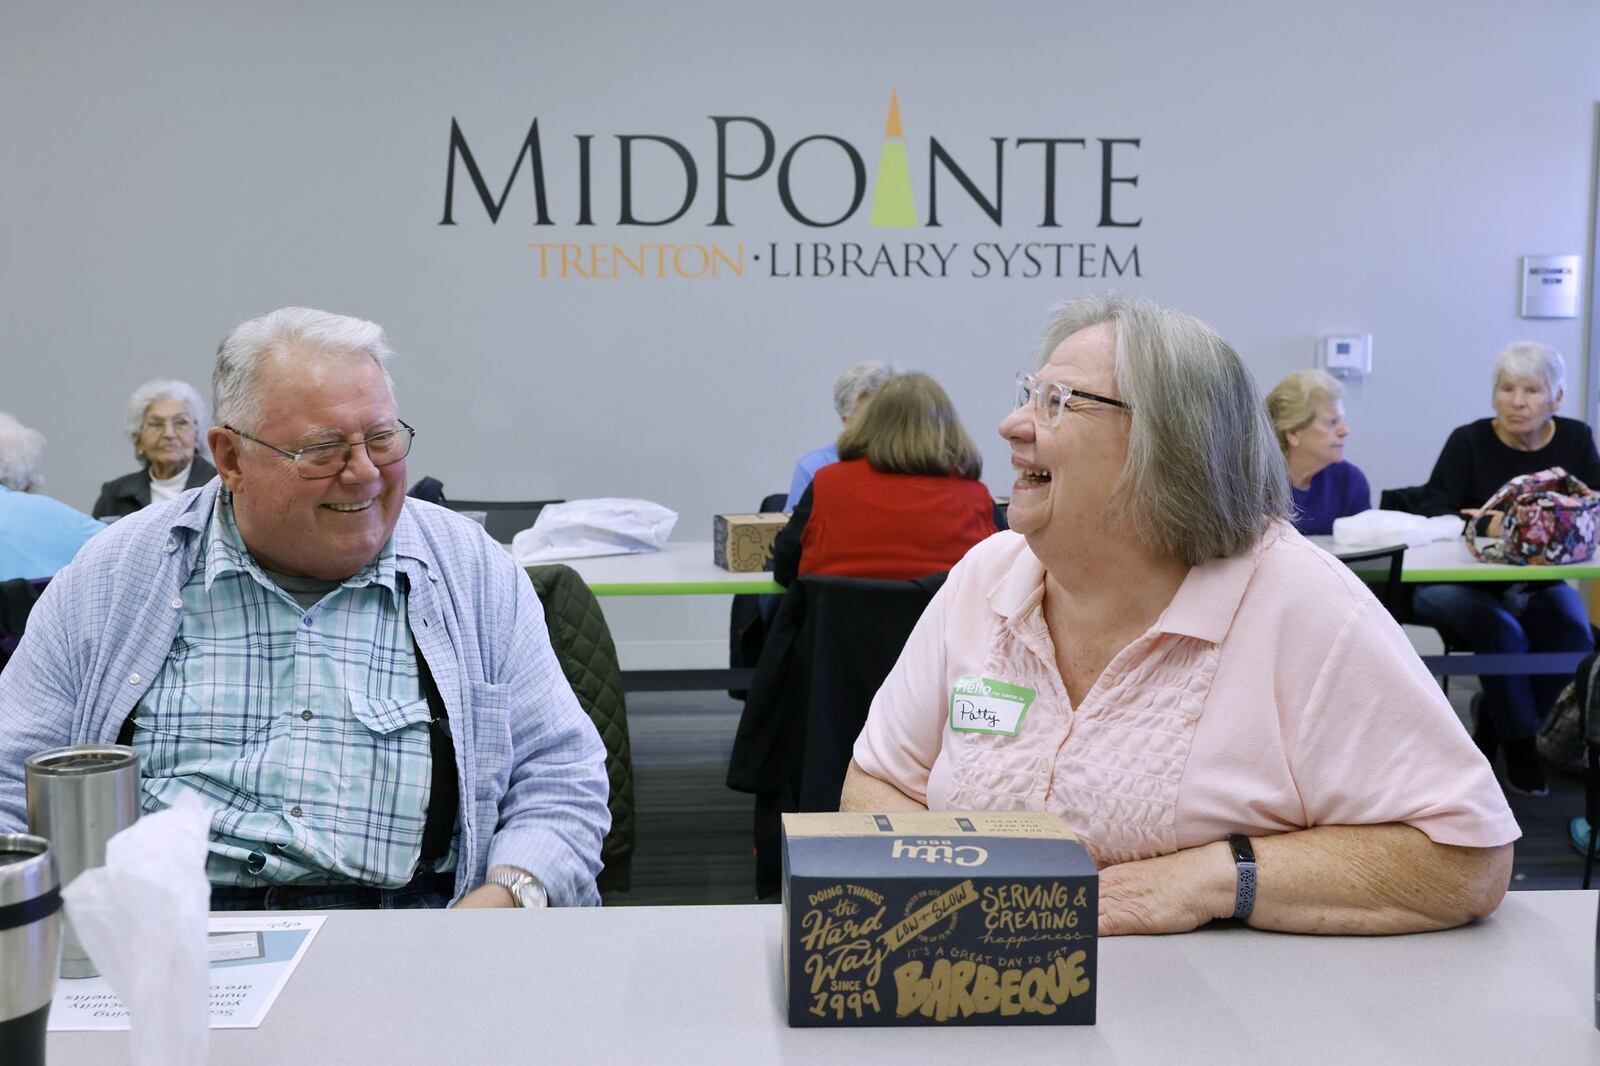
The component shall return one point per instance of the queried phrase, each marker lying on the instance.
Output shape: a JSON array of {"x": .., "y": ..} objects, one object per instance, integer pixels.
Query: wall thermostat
[{"x": 1347, "y": 356}]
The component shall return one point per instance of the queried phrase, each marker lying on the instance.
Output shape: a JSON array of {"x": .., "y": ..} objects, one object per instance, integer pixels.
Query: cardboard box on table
[
  {"x": 742, "y": 543},
  {"x": 937, "y": 918}
]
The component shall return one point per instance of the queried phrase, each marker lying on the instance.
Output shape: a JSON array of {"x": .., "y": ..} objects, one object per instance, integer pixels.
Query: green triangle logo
[{"x": 893, "y": 205}]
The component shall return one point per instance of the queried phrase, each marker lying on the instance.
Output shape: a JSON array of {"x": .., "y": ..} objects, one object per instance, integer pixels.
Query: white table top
[
  {"x": 1449, "y": 560},
  {"x": 682, "y": 568},
  {"x": 685, "y": 568},
  {"x": 703, "y": 985}
]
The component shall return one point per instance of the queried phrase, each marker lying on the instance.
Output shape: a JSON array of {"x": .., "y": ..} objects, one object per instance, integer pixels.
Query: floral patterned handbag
[{"x": 1550, "y": 518}]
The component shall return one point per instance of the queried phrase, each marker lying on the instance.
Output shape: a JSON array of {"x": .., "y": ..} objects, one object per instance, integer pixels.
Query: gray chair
[
  {"x": 504, "y": 518},
  {"x": 1388, "y": 592},
  {"x": 833, "y": 642}
]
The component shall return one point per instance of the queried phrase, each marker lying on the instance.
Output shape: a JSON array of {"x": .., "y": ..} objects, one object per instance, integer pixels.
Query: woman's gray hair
[
  {"x": 288, "y": 329},
  {"x": 1204, "y": 476},
  {"x": 863, "y": 379},
  {"x": 163, "y": 389},
  {"x": 21, "y": 455},
  {"x": 1535, "y": 361}
]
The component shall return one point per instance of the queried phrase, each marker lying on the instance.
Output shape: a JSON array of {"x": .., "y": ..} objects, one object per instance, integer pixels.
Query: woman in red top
[{"x": 904, "y": 499}]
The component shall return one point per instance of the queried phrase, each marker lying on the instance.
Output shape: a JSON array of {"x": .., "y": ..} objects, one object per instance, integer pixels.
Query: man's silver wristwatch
[{"x": 525, "y": 889}]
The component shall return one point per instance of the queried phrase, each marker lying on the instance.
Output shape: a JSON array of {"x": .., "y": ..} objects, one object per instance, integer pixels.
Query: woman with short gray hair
[
  {"x": 1524, "y": 436},
  {"x": 38, "y": 535},
  {"x": 167, "y": 422},
  {"x": 1155, "y": 655}
]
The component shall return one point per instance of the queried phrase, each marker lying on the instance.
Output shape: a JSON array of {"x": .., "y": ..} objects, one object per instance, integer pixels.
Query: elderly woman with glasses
[
  {"x": 167, "y": 422},
  {"x": 1524, "y": 436},
  {"x": 1227, "y": 718}
]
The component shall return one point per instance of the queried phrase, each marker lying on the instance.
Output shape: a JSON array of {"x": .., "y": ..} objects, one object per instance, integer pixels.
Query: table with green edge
[
  {"x": 1450, "y": 562},
  {"x": 682, "y": 568}
]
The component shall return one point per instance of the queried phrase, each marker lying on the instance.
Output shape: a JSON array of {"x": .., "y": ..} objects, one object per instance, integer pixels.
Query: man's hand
[{"x": 1169, "y": 893}]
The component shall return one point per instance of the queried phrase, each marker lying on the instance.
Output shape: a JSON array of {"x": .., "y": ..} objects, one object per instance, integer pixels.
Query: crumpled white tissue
[
  {"x": 143, "y": 918},
  {"x": 585, "y": 528},
  {"x": 1383, "y": 528}
]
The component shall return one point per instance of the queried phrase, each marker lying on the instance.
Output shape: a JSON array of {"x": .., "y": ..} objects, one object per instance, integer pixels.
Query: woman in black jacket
[
  {"x": 1523, "y": 437},
  {"x": 167, "y": 421}
]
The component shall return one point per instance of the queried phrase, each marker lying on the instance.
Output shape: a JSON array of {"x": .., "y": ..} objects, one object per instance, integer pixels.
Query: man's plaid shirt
[
  {"x": 306, "y": 729},
  {"x": 532, "y": 768}
]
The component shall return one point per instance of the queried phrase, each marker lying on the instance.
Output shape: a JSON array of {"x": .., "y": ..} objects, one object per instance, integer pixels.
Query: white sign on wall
[{"x": 1550, "y": 286}]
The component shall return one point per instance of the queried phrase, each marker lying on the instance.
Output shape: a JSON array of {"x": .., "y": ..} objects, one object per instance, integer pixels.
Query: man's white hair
[
  {"x": 21, "y": 455},
  {"x": 288, "y": 329},
  {"x": 863, "y": 379}
]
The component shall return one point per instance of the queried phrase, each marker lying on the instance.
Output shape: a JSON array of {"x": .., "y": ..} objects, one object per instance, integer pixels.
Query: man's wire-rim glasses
[{"x": 326, "y": 460}]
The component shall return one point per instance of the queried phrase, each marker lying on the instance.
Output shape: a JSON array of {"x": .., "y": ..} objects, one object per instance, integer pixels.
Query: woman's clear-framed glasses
[
  {"x": 325, "y": 460},
  {"x": 1051, "y": 398}
]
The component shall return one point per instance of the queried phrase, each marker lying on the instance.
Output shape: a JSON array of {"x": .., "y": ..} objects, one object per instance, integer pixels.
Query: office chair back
[
  {"x": 1408, "y": 499},
  {"x": 833, "y": 642},
  {"x": 504, "y": 519},
  {"x": 17, "y": 597},
  {"x": 1388, "y": 590}
]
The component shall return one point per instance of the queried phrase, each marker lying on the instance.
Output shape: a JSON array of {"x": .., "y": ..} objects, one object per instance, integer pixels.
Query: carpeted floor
[{"x": 694, "y": 832}]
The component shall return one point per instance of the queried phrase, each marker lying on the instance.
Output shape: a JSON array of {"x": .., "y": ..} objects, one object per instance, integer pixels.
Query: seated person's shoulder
[
  {"x": 131, "y": 550},
  {"x": 454, "y": 539},
  {"x": 154, "y": 525},
  {"x": 1349, "y": 471},
  {"x": 992, "y": 558},
  {"x": 1572, "y": 431},
  {"x": 1304, "y": 577}
]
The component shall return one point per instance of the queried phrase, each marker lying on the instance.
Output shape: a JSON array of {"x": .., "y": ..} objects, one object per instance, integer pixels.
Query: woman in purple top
[{"x": 1307, "y": 410}]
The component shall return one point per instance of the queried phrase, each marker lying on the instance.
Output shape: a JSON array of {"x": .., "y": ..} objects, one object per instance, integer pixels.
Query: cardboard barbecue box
[
  {"x": 937, "y": 918},
  {"x": 743, "y": 542}
]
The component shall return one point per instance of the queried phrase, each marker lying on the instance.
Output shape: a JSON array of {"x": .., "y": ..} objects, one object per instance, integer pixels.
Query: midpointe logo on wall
[{"x": 744, "y": 179}]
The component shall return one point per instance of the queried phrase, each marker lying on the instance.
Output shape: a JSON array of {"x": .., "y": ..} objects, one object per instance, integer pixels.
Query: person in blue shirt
[
  {"x": 38, "y": 535},
  {"x": 852, "y": 391},
  {"x": 1307, "y": 410}
]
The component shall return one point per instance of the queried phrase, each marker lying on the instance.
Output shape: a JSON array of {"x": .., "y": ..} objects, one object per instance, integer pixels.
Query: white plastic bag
[
  {"x": 584, "y": 528},
  {"x": 143, "y": 918},
  {"x": 1383, "y": 528}
]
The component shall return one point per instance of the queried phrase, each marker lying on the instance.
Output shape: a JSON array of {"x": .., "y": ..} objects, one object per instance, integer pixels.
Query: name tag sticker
[{"x": 984, "y": 705}]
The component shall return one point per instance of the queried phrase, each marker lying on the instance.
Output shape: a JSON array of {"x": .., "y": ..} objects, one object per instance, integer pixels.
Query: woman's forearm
[
  {"x": 1331, "y": 879},
  {"x": 863, "y": 792},
  {"x": 1373, "y": 879}
]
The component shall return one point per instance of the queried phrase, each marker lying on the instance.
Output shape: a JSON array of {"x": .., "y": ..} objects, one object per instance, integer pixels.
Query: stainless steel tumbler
[
  {"x": 30, "y": 946},
  {"x": 79, "y": 798}
]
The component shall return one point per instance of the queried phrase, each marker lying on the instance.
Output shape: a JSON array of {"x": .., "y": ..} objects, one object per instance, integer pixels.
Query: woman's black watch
[{"x": 1244, "y": 858}]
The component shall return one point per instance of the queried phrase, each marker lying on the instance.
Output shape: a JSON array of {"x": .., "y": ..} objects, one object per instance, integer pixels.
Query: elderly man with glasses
[{"x": 359, "y": 684}]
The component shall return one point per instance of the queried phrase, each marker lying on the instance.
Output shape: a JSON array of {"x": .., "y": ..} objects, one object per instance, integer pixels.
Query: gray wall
[{"x": 1304, "y": 168}]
